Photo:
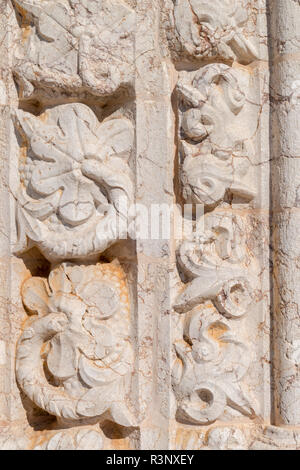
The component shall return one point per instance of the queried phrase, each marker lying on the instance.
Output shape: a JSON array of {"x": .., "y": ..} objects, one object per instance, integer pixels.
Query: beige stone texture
[{"x": 112, "y": 341}]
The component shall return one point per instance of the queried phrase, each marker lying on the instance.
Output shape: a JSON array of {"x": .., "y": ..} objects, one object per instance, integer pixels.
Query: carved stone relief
[
  {"x": 73, "y": 184},
  {"x": 75, "y": 180},
  {"x": 113, "y": 342},
  {"x": 75, "y": 46},
  {"x": 213, "y": 362},
  {"x": 74, "y": 357},
  {"x": 218, "y": 269},
  {"x": 216, "y": 159},
  {"x": 206, "y": 30}
]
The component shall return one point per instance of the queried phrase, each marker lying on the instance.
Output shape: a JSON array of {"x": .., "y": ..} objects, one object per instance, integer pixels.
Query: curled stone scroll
[
  {"x": 219, "y": 267},
  {"x": 210, "y": 365}
]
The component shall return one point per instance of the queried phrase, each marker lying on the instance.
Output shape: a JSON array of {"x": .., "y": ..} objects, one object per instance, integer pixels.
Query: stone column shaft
[{"x": 285, "y": 180}]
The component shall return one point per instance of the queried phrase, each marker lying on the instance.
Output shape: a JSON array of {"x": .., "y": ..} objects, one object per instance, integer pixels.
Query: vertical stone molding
[
  {"x": 5, "y": 352},
  {"x": 285, "y": 163},
  {"x": 155, "y": 129},
  {"x": 219, "y": 374}
]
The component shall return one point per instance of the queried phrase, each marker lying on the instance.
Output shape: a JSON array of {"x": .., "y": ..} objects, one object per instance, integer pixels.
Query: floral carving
[
  {"x": 74, "y": 178},
  {"x": 206, "y": 29},
  {"x": 74, "y": 358},
  {"x": 215, "y": 160},
  {"x": 74, "y": 46},
  {"x": 210, "y": 365}
]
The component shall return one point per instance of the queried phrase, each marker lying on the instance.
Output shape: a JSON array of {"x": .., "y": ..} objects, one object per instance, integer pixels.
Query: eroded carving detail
[
  {"x": 75, "y": 46},
  {"x": 216, "y": 158},
  {"x": 85, "y": 439},
  {"x": 226, "y": 438},
  {"x": 211, "y": 364},
  {"x": 75, "y": 181},
  {"x": 74, "y": 358},
  {"x": 219, "y": 266},
  {"x": 206, "y": 29}
]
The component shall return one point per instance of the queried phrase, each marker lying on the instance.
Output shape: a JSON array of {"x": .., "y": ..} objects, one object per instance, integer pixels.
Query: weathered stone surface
[
  {"x": 75, "y": 46},
  {"x": 149, "y": 224},
  {"x": 213, "y": 30},
  {"x": 72, "y": 177},
  {"x": 74, "y": 355}
]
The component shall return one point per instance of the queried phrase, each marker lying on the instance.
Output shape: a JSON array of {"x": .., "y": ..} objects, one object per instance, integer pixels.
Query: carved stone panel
[
  {"x": 216, "y": 159},
  {"x": 74, "y": 177},
  {"x": 218, "y": 30},
  {"x": 149, "y": 206},
  {"x": 212, "y": 363},
  {"x": 74, "y": 358}
]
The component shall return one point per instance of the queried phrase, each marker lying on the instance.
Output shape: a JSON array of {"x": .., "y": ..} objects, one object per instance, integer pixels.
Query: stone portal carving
[
  {"x": 161, "y": 343},
  {"x": 74, "y": 357},
  {"x": 76, "y": 184}
]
